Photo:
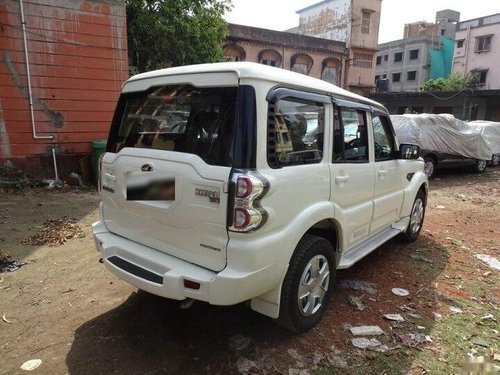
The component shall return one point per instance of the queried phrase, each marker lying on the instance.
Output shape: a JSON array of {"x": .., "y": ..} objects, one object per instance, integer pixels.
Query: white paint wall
[{"x": 328, "y": 20}]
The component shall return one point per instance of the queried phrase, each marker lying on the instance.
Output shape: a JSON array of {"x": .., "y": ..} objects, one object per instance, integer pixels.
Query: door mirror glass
[{"x": 409, "y": 151}]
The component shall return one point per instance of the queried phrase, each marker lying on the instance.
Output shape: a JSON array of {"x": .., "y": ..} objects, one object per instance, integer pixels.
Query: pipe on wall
[{"x": 28, "y": 75}]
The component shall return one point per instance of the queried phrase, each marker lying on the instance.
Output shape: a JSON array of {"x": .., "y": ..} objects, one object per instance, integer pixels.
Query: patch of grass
[
  {"x": 453, "y": 339},
  {"x": 389, "y": 365},
  {"x": 478, "y": 289}
]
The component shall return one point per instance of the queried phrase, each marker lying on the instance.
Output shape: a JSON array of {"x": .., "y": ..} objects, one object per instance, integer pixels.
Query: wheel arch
[
  {"x": 331, "y": 230},
  {"x": 432, "y": 156},
  {"x": 424, "y": 188},
  {"x": 323, "y": 226}
]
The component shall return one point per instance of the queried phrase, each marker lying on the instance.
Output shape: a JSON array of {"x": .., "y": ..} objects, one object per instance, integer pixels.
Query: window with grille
[
  {"x": 483, "y": 43},
  {"x": 363, "y": 60},
  {"x": 480, "y": 76}
]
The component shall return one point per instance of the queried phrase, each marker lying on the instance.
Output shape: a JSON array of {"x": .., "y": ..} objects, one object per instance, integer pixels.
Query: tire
[
  {"x": 480, "y": 166},
  {"x": 308, "y": 284},
  {"x": 495, "y": 160},
  {"x": 429, "y": 166},
  {"x": 416, "y": 219}
]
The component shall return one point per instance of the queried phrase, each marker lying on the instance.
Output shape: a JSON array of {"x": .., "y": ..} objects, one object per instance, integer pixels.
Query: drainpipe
[
  {"x": 30, "y": 91},
  {"x": 346, "y": 70},
  {"x": 466, "y": 47}
]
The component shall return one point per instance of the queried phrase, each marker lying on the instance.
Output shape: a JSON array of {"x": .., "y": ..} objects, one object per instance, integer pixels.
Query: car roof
[{"x": 260, "y": 72}]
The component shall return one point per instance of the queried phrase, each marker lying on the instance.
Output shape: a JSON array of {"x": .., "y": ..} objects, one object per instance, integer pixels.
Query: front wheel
[
  {"x": 429, "y": 166},
  {"x": 416, "y": 218},
  {"x": 308, "y": 283},
  {"x": 480, "y": 166}
]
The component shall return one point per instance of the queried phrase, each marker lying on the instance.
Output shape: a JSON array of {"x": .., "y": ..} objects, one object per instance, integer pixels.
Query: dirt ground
[{"x": 64, "y": 308}]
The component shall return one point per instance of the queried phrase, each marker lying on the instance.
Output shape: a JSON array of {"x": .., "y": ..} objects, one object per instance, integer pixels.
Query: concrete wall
[
  {"x": 467, "y": 59},
  {"x": 78, "y": 61},
  {"x": 463, "y": 106}
]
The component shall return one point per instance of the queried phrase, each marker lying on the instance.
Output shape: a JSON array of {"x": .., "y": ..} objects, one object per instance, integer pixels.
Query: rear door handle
[
  {"x": 340, "y": 179},
  {"x": 382, "y": 172}
]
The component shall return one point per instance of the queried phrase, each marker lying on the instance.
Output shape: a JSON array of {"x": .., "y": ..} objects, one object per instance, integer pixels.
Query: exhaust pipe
[{"x": 186, "y": 304}]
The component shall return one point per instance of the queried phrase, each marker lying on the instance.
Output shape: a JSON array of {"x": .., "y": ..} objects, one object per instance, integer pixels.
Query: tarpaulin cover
[
  {"x": 442, "y": 133},
  {"x": 491, "y": 133}
]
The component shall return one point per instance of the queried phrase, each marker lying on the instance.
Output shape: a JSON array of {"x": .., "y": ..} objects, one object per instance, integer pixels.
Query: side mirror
[{"x": 408, "y": 151}]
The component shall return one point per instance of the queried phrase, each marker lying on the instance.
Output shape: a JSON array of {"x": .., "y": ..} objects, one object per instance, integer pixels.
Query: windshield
[{"x": 180, "y": 118}]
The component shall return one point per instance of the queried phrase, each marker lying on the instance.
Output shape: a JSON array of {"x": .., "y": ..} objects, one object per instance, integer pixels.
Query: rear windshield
[{"x": 180, "y": 118}]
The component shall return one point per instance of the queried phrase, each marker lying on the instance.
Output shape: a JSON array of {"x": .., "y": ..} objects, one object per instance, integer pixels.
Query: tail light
[{"x": 249, "y": 188}]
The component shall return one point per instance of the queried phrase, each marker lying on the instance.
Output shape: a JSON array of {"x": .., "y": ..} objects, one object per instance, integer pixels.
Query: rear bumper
[{"x": 161, "y": 274}]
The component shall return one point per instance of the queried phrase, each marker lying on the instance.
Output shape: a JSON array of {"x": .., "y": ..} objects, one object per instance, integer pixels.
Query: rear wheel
[
  {"x": 429, "y": 166},
  {"x": 307, "y": 287},
  {"x": 480, "y": 166},
  {"x": 416, "y": 218}
]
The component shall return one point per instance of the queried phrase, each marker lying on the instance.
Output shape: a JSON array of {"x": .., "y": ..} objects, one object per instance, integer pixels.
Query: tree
[
  {"x": 454, "y": 82},
  {"x": 164, "y": 33}
]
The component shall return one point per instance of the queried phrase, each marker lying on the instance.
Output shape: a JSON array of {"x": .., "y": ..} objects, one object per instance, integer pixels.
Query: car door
[
  {"x": 389, "y": 181},
  {"x": 168, "y": 162},
  {"x": 351, "y": 173}
]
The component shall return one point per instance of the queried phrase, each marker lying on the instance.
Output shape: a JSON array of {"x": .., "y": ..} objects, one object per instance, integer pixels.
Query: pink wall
[{"x": 466, "y": 59}]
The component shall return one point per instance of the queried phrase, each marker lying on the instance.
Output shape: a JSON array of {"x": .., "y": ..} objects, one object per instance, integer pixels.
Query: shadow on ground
[{"x": 149, "y": 335}]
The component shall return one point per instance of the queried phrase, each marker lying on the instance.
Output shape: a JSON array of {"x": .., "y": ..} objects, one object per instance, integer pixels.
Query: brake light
[
  {"x": 243, "y": 187},
  {"x": 249, "y": 188},
  {"x": 241, "y": 218}
]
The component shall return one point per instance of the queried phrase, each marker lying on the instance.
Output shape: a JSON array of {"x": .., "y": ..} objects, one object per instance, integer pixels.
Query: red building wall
[{"x": 78, "y": 61}]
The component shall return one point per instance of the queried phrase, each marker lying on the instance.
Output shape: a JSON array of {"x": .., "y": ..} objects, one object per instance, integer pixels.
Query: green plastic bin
[{"x": 98, "y": 148}]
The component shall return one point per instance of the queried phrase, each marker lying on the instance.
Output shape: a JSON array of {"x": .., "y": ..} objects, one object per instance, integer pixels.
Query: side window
[
  {"x": 350, "y": 136},
  {"x": 383, "y": 137},
  {"x": 298, "y": 132}
]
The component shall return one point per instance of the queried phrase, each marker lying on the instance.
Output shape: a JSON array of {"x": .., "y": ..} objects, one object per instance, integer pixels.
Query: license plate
[{"x": 151, "y": 189}]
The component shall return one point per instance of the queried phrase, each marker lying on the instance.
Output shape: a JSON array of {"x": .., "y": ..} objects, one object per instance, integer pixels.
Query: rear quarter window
[{"x": 298, "y": 127}]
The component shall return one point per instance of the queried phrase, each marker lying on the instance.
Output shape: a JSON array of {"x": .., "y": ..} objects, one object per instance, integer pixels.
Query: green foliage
[
  {"x": 454, "y": 82},
  {"x": 164, "y": 33}
]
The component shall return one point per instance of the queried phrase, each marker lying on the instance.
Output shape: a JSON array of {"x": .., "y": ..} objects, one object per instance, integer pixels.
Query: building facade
[
  {"x": 406, "y": 62},
  {"x": 61, "y": 71},
  {"x": 425, "y": 52},
  {"x": 354, "y": 22},
  {"x": 477, "y": 50},
  {"x": 316, "y": 57}
]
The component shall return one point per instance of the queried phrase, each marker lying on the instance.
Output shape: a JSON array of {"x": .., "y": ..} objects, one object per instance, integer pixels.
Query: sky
[{"x": 280, "y": 14}]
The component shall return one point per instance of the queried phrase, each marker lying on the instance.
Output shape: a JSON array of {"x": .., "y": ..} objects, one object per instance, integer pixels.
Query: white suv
[{"x": 237, "y": 181}]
